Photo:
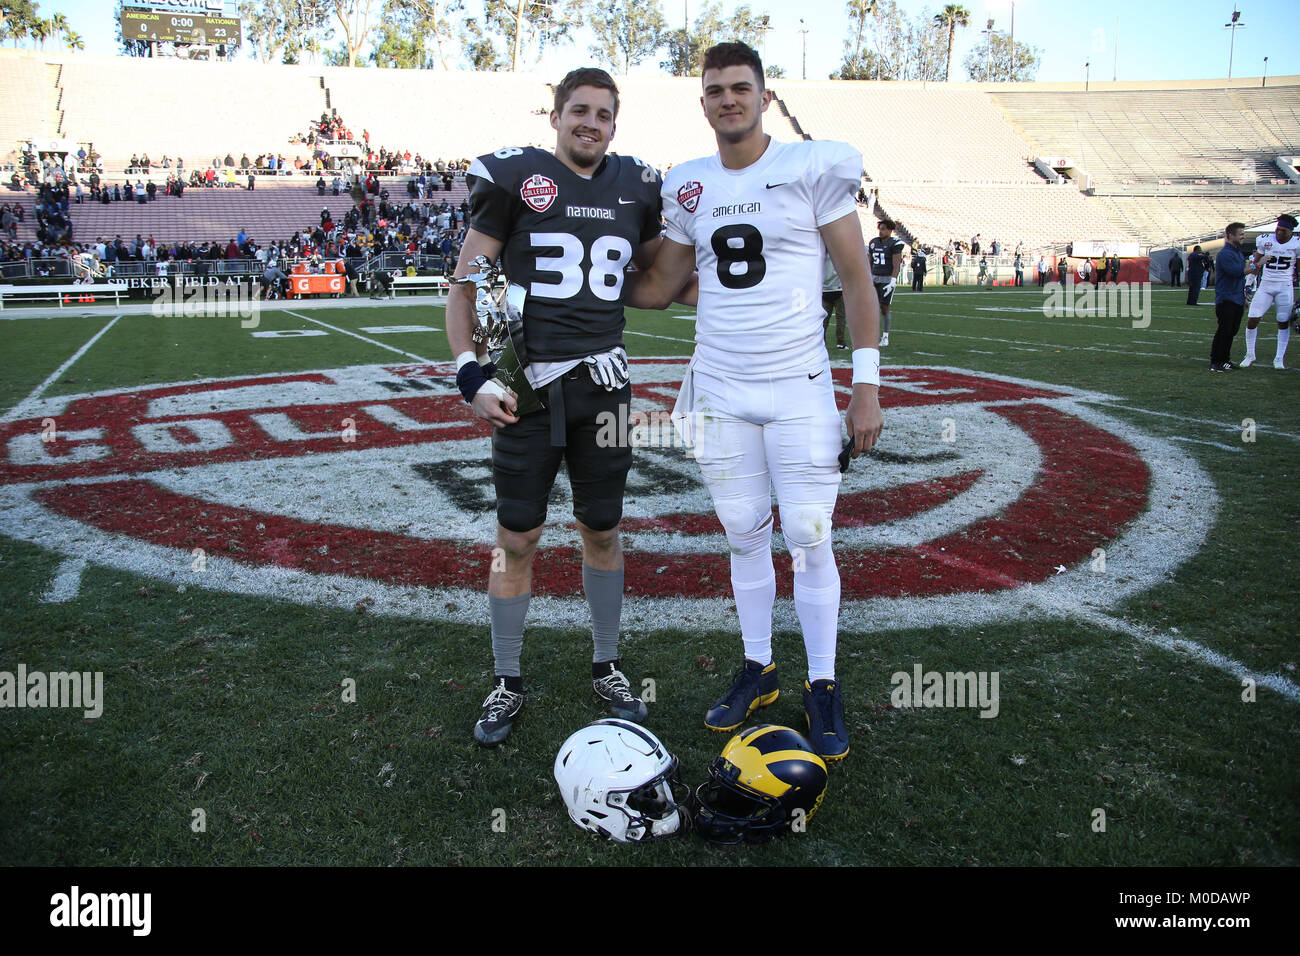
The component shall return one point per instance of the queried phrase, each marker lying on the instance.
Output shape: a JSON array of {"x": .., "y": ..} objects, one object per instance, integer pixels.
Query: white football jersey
[
  {"x": 1278, "y": 265},
  {"x": 758, "y": 249}
]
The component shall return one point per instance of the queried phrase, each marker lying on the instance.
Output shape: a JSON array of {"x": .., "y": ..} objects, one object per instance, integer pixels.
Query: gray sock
[
  {"x": 604, "y": 590},
  {"x": 884, "y": 323},
  {"x": 508, "y": 632}
]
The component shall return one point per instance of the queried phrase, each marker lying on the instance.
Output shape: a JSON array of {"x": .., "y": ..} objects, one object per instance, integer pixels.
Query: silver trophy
[{"x": 501, "y": 328}]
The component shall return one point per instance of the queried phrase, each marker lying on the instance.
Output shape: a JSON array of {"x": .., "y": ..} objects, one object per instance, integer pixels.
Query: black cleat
[
  {"x": 499, "y": 712},
  {"x": 615, "y": 690},
  {"x": 754, "y": 686}
]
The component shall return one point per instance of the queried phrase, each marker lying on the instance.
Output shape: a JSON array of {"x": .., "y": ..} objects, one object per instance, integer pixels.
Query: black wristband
[{"x": 470, "y": 379}]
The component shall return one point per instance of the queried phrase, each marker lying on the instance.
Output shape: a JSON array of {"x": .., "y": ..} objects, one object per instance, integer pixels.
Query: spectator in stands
[
  {"x": 997, "y": 248},
  {"x": 244, "y": 162},
  {"x": 230, "y": 161},
  {"x": 252, "y": 180},
  {"x": 320, "y": 186},
  {"x": 1175, "y": 269},
  {"x": 151, "y": 190},
  {"x": 135, "y": 160},
  {"x": 1195, "y": 274},
  {"x": 8, "y": 223},
  {"x": 975, "y": 244}
]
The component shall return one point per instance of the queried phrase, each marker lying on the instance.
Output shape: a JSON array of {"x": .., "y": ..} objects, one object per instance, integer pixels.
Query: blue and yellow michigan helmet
[{"x": 766, "y": 780}]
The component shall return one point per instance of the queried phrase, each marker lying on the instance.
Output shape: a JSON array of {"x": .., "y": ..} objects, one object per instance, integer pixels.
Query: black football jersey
[
  {"x": 882, "y": 254},
  {"x": 567, "y": 240}
]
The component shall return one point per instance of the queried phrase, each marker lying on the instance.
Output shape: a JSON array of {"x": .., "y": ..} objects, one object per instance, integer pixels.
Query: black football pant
[{"x": 1229, "y": 316}]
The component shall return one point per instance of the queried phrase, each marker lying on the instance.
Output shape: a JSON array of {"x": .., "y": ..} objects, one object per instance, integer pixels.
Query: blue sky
[{"x": 1154, "y": 40}]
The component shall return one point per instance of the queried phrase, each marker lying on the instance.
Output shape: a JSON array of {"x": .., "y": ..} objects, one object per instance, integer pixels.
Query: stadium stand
[
  {"x": 913, "y": 132},
  {"x": 1120, "y": 136},
  {"x": 272, "y": 211},
  {"x": 1165, "y": 162}
]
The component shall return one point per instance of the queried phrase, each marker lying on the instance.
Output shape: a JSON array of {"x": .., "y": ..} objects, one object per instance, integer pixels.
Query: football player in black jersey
[
  {"x": 567, "y": 225},
  {"x": 886, "y": 255}
]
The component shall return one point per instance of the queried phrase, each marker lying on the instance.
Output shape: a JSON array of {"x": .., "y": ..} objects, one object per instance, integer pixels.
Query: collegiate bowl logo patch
[
  {"x": 539, "y": 192},
  {"x": 688, "y": 197},
  {"x": 987, "y": 498}
]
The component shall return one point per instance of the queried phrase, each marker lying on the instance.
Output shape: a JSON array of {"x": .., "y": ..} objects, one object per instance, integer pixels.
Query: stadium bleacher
[{"x": 949, "y": 160}]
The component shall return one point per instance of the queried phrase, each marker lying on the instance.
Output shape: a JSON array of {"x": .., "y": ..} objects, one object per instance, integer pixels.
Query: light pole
[
  {"x": 1233, "y": 26},
  {"x": 1085, "y": 75},
  {"x": 1264, "y": 81},
  {"x": 988, "y": 50},
  {"x": 804, "y": 30}
]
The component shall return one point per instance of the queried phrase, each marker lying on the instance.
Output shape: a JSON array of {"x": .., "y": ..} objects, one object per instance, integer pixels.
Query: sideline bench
[
  {"x": 438, "y": 284},
  {"x": 69, "y": 293}
]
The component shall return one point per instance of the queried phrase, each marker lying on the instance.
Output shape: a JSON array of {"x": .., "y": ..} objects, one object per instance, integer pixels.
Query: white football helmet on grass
[{"x": 617, "y": 780}]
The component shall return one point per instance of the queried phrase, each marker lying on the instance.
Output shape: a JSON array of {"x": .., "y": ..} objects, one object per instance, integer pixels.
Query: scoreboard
[{"x": 164, "y": 26}]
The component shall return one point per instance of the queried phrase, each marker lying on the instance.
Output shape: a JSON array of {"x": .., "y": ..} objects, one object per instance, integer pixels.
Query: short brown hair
[
  {"x": 1233, "y": 227},
  {"x": 585, "y": 76},
  {"x": 887, "y": 223},
  {"x": 723, "y": 55}
]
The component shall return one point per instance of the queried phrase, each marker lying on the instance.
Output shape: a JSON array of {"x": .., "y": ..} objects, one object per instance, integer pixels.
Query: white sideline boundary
[{"x": 20, "y": 410}]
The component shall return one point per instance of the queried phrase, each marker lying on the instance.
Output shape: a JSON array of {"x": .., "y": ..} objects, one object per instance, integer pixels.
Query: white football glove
[
  {"x": 888, "y": 287},
  {"x": 609, "y": 369}
]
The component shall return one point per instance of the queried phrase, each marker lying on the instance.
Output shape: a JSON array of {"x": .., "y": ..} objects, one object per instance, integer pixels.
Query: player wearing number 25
[
  {"x": 567, "y": 225},
  {"x": 758, "y": 217}
]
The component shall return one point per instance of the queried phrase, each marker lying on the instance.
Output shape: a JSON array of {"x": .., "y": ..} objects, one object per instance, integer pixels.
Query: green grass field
[{"x": 229, "y": 699}]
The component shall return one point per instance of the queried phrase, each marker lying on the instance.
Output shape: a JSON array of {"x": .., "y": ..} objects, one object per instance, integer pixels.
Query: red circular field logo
[{"x": 985, "y": 497}]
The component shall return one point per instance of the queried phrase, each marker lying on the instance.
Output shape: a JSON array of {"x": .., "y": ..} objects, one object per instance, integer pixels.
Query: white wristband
[
  {"x": 464, "y": 358},
  {"x": 491, "y": 387},
  {"x": 866, "y": 367}
]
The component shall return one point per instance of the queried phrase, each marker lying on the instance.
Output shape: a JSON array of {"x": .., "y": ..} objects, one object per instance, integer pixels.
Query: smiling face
[
  {"x": 585, "y": 128},
  {"x": 734, "y": 101}
]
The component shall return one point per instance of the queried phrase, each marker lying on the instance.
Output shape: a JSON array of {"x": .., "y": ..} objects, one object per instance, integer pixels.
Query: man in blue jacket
[{"x": 1230, "y": 269}]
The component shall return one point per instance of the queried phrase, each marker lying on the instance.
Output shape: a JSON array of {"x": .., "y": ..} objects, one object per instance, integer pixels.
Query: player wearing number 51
[
  {"x": 566, "y": 225},
  {"x": 758, "y": 217}
]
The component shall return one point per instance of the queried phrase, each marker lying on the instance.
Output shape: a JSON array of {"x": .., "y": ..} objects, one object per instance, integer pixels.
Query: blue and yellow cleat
[
  {"x": 824, "y": 709},
  {"x": 755, "y": 686}
]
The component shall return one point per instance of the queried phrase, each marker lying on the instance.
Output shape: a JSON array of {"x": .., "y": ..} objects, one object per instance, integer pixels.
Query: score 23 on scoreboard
[{"x": 164, "y": 26}]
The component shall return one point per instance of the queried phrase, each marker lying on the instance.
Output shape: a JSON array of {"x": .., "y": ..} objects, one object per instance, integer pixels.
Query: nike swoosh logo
[
  {"x": 811, "y": 377},
  {"x": 625, "y": 202},
  {"x": 774, "y": 185}
]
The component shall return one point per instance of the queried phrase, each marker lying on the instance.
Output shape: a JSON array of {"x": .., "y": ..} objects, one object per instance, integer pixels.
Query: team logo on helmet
[
  {"x": 689, "y": 195},
  {"x": 539, "y": 192}
]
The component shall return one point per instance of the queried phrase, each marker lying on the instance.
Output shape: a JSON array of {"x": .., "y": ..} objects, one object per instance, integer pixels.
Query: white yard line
[
  {"x": 19, "y": 410},
  {"x": 1198, "y": 652},
  {"x": 1113, "y": 350},
  {"x": 67, "y": 582},
  {"x": 1224, "y": 426},
  {"x": 357, "y": 335},
  {"x": 667, "y": 338}
]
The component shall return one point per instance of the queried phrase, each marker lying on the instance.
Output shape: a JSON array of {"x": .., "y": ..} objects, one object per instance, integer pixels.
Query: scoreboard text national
[{"x": 166, "y": 27}]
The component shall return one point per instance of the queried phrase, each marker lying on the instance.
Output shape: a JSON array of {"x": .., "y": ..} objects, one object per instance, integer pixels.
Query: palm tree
[
  {"x": 41, "y": 30},
  {"x": 954, "y": 15},
  {"x": 74, "y": 40},
  {"x": 58, "y": 25}
]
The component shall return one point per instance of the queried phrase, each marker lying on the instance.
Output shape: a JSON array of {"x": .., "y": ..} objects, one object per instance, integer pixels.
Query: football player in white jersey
[
  {"x": 1275, "y": 256},
  {"x": 758, "y": 403}
]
